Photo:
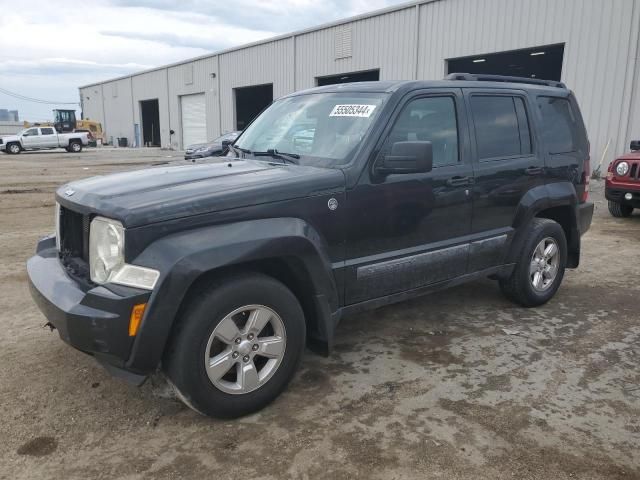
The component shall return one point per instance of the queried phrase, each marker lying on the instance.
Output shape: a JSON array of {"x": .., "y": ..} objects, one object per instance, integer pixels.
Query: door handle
[
  {"x": 458, "y": 181},
  {"x": 533, "y": 171}
]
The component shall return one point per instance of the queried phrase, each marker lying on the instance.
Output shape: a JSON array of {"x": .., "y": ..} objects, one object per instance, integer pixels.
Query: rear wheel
[
  {"x": 14, "y": 148},
  {"x": 237, "y": 346},
  {"x": 75, "y": 147},
  {"x": 540, "y": 264},
  {"x": 620, "y": 211}
]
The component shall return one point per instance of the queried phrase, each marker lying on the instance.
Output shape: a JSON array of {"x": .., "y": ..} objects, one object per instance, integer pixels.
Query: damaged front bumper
[{"x": 93, "y": 319}]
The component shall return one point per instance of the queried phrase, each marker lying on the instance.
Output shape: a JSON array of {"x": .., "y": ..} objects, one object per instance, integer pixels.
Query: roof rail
[{"x": 479, "y": 77}]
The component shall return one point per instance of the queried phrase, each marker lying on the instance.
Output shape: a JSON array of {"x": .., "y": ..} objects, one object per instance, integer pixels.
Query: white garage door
[{"x": 194, "y": 119}]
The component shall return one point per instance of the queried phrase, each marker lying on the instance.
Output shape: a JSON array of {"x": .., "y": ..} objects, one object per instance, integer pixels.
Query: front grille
[
  {"x": 74, "y": 234},
  {"x": 634, "y": 171}
]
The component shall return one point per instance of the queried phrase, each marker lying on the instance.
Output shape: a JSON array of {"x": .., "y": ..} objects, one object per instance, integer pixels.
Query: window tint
[
  {"x": 430, "y": 119},
  {"x": 46, "y": 131},
  {"x": 502, "y": 127},
  {"x": 560, "y": 126}
]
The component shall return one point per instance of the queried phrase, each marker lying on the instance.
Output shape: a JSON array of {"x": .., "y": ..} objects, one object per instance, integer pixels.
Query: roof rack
[{"x": 479, "y": 77}]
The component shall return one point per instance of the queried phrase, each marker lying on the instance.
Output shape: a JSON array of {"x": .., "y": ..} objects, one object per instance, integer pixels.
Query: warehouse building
[{"x": 591, "y": 45}]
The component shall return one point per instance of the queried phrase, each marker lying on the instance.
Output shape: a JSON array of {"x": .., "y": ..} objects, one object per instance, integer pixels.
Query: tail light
[{"x": 586, "y": 177}]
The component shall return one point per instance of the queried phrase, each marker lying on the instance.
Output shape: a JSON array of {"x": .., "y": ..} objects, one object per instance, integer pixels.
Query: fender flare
[
  {"x": 184, "y": 257},
  {"x": 539, "y": 199}
]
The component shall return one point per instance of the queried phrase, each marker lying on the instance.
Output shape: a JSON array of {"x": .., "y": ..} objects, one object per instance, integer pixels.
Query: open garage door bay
[{"x": 194, "y": 119}]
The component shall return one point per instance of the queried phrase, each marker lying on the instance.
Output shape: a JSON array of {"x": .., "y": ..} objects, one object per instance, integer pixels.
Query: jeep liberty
[
  {"x": 334, "y": 200},
  {"x": 622, "y": 185}
]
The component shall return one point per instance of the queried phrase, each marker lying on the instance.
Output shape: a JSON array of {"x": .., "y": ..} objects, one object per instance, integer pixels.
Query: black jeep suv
[{"x": 334, "y": 200}]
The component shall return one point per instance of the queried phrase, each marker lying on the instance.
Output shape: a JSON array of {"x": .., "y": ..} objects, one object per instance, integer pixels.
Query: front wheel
[
  {"x": 14, "y": 148},
  {"x": 237, "y": 346},
  {"x": 75, "y": 147},
  {"x": 540, "y": 264},
  {"x": 619, "y": 210}
]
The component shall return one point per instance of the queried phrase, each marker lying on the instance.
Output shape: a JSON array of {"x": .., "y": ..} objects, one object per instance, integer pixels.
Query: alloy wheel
[
  {"x": 245, "y": 349},
  {"x": 545, "y": 261}
]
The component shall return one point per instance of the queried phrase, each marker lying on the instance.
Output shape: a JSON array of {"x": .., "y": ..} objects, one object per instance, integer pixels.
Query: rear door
[
  {"x": 48, "y": 137},
  {"x": 508, "y": 164}
]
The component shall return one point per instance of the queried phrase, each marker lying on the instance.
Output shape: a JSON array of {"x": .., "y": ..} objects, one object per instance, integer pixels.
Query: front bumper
[
  {"x": 93, "y": 319},
  {"x": 616, "y": 191}
]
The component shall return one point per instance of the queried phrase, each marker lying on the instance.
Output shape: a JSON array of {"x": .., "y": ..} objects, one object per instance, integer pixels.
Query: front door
[
  {"x": 406, "y": 231},
  {"x": 31, "y": 138}
]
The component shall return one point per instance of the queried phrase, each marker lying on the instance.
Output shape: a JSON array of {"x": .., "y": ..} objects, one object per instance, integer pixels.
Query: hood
[
  {"x": 630, "y": 156},
  {"x": 196, "y": 146},
  {"x": 163, "y": 193}
]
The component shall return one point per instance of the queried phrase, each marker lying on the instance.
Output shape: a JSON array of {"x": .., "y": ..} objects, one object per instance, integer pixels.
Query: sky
[{"x": 48, "y": 49}]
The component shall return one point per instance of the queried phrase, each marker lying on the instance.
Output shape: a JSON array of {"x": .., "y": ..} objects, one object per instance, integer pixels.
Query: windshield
[{"x": 323, "y": 129}]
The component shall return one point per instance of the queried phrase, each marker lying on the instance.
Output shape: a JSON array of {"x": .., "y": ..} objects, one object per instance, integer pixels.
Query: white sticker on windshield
[{"x": 352, "y": 111}]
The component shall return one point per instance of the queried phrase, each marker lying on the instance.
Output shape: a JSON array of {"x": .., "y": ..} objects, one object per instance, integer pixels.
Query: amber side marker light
[{"x": 136, "y": 317}]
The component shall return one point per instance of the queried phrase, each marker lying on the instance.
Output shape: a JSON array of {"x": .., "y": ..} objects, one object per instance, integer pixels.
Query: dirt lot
[{"x": 432, "y": 388}]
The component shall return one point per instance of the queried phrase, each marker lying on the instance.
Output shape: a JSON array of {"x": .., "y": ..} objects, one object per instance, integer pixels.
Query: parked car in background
[
  {"x": 222, "y": 274},
  {"x": 622, "y": 187},
  {"x": 43, "y": 138},
  {"x": 214, "y": 148}
]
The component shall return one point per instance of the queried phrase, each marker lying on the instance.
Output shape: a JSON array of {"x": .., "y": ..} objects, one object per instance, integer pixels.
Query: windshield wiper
[
  {"x": 237, "y": 149},
  {"x": 273, "y": 153}
]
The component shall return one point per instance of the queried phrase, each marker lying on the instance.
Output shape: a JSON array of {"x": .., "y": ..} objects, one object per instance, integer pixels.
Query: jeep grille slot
[
  {"x": 74, "y": 234},
  {"x": 634, "y": 173}
]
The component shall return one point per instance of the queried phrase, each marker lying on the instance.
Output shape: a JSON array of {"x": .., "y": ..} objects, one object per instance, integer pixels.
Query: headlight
[
  {"x": 106, "y": 248},
  {"x": 106, "y": 257},
  {"x": 622, "y": 168}
]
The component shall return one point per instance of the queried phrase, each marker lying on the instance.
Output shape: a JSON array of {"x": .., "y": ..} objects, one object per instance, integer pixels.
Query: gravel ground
[{"x": 432, "y": 388}]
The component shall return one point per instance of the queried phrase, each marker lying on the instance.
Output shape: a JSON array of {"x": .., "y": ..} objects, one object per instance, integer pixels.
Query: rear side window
[
  {"x": 502, "y": 126},
  {"x": 46, "y": 131},
  {"x": 560, "y": 126}
]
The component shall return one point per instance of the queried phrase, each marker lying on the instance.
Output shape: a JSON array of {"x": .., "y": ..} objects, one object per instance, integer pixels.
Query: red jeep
[{"x": 622, "y": 187}]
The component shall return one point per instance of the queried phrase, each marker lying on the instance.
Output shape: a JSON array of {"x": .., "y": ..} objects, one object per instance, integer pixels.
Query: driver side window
[
  {"x": 430, "y": 119},
  {"x": 32, "y": 132}
]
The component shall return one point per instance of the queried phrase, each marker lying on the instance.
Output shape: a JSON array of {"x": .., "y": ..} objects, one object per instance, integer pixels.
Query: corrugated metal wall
[
  {"x": 91, "y": 101},
  {"x": 267, "y": 63},
  {"x": 414, "y": 41},
  {"x": 118, "y": 112},
  {"x": 149, "y": 86},
  {"x": 598, "y": 56},
  {"x": 384, "y": 42},
  {"x": 203, "y": 78}
]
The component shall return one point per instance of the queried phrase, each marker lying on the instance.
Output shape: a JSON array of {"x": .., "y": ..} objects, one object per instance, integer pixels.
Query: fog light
[{"x": 628, "y": 196}]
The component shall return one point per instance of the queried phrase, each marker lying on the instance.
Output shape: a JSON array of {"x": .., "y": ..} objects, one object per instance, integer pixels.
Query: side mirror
[
  {"x": 226, "y": 143},
  {"x": 635, "y": 145},
  {"x": 407, "y": 157}
]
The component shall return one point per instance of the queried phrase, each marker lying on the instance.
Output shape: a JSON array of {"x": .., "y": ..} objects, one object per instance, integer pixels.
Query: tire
[
  {"x": 198, "y": 340},
  {"x": 620, "y": 211},
  {"x": 532, "y": 284},
  {"x": 75, "y": 147},
  {"x": 13, "y": 148}
]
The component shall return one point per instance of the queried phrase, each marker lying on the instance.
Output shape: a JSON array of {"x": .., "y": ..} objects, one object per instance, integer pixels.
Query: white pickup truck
[{"x": 43, "y": 138}]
